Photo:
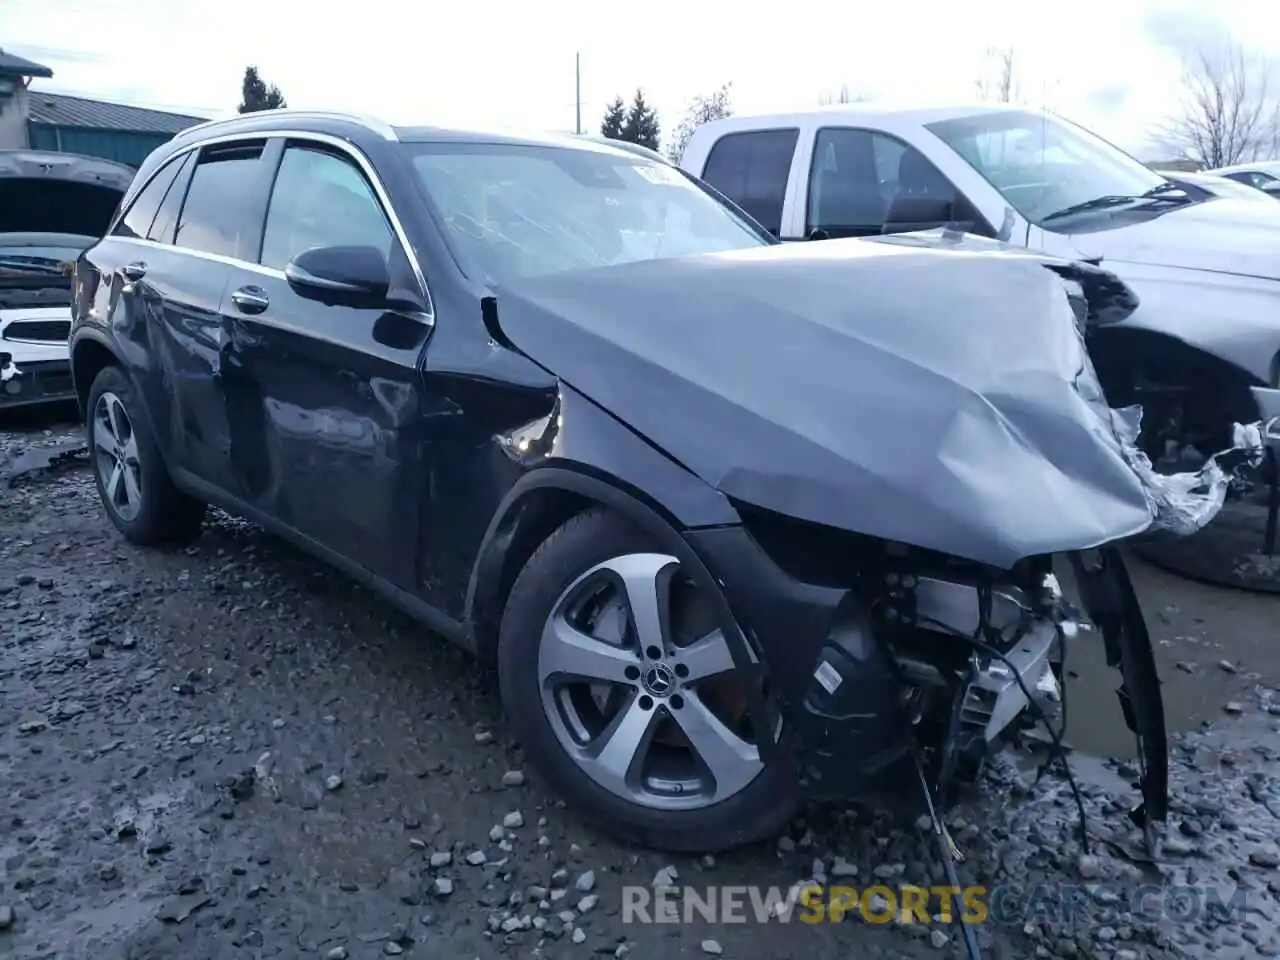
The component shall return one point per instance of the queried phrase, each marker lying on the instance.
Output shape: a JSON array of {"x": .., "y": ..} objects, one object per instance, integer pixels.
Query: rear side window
[
  {"x": 752, "y": 169},
  {"x": 137, "y": 221},
  {"x": 167, "y": 216},
  {"x": 221, "y": 210}
]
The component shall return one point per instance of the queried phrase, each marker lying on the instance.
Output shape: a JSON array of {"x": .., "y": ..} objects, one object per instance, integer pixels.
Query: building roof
[
  {"x": 14, "y": 65},
  {"x": 61, "y": 110}
]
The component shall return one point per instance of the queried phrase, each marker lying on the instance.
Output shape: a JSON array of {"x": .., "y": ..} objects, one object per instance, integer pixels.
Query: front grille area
[{"x": 39, "y": 331}]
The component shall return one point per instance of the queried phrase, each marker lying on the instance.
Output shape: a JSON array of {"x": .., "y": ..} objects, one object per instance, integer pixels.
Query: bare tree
[
  {"x": 1225, "y": 113},
  {"x": 999, "y": 80},
  {"x": 701, "y": 110}
]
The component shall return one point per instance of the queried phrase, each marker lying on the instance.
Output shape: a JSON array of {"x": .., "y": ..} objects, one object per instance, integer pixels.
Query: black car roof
[{"x": 357, "y": 126}]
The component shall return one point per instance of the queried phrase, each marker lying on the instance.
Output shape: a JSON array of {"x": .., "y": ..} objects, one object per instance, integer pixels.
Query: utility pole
[{"x": 577, "y": 92}]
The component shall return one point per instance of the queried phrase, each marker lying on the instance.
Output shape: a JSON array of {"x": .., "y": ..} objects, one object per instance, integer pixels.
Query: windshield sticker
[{"x": 663, "y": 176}]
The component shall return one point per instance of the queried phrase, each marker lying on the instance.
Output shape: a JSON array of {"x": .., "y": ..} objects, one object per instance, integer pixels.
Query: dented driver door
[{"x": 322, "y": 399}]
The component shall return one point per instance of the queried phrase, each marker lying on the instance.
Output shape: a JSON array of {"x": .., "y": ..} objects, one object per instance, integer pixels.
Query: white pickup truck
[{"x": 1206, "y": 268}]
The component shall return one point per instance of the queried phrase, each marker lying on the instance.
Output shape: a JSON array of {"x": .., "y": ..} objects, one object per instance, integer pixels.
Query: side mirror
[{"x": 341, "y": 276}]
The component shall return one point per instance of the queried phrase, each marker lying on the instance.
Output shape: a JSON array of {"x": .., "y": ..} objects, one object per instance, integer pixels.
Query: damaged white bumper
[{"x": 35, "y": 362}]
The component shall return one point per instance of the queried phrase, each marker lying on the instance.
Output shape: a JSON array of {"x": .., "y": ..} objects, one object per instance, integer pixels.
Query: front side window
[
  {"x": 137, "y": 220},
  {"x": 752, "y": 169},
  {"x": 1043, "y": 165},
  {"x": 221, "y": 206},
  {"x": 513, "y": 211},
  {"x": 858, "y": 176},
  {"x": 321, "y": 199}
]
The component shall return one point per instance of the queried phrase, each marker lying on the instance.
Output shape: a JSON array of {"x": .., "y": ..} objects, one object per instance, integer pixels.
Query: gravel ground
[{"x": 232, "y": 751}]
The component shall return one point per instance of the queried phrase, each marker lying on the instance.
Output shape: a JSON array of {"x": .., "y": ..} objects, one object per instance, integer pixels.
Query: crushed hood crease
[{"x": 933, "y": 396}]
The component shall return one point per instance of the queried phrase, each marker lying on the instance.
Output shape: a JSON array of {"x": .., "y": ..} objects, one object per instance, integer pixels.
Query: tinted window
[
  {"x": 137, "y": 222},
  {"x": 856, "y": 175},
  {"x": 321, "y": 199},
  {"x": 220, "y": 209},
  {"x": 512, "y": 211},
  {"x": 167, "y": 216},
  {"x": 751, "y": 169}
]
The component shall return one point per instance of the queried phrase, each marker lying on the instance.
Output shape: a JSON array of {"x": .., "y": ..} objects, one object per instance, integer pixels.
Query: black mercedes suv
[{"x": 736, "y": 520}]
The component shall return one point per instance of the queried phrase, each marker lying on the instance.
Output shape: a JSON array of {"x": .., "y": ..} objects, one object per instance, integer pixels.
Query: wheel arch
[
  {"x": 1122, "y": 354},
  {"x": 90, "y": 355},
  {"x": 538, "y": 504}
]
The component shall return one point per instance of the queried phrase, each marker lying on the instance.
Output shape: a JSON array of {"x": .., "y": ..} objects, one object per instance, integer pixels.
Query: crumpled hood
[
  {"x": 1224, "y": 235},
  {"x": 917, "y": 395}
]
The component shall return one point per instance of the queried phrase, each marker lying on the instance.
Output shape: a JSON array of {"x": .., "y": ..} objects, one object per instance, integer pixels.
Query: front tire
[
  {"x": 619, "y": 682},
  {"x": 137, "y": 492}
]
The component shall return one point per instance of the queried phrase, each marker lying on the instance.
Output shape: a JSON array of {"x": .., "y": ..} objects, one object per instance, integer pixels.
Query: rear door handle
[
  {"x": 250, "y": 299},
  {"x": 135, "y": 271}
]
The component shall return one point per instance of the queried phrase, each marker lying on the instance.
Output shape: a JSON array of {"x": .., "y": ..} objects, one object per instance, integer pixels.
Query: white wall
[{"x": 13, "y": 119}]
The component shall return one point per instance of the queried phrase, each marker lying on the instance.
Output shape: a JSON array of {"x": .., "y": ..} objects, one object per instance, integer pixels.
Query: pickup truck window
[
  {"x": 751, "y": 169},
  {"x": 858, "y": 179},
  {"x": 1254, "y": 178},
  {"x": 1044, "y": 166}
]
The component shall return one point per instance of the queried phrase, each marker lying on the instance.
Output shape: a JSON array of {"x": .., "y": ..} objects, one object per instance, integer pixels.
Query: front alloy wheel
[
  {"x": 619, "y": 682},
  {"x": 638, "y": 695}
]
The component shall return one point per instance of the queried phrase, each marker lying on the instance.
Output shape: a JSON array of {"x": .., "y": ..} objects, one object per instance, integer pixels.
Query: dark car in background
[
  {"x": 52, "y": 206},
  {"x": 737, "y": 521}
]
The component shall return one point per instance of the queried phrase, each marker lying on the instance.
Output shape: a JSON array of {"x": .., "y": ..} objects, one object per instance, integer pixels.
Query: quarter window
[
  {"x": 752, "y": 169},
  {"x": 137, "y": 221},
  {"x": 222, "y": 204},
  {"x": 167, "y": 216},
  {"x": 321, "y": 199}
]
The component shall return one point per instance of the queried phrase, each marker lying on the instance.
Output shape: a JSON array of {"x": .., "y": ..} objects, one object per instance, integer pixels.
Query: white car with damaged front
[{"x": 52, "y": 207}]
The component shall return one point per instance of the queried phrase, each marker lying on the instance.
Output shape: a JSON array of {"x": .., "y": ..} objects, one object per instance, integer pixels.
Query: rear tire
[
  {"x": 740, "y": 802},
  {"x": 133, "y": 482}
]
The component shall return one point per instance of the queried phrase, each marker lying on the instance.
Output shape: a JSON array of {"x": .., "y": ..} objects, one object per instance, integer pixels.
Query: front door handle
[
  {"x": 250, "y": 300},
  {"x": 133, "y": 272}
]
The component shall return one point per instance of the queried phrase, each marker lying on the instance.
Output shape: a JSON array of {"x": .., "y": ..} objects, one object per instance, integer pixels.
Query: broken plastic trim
[{"x": 1112, "y": 605}]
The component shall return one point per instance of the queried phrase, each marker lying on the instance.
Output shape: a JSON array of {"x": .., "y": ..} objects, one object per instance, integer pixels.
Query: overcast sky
[{"x": 1109, "y": 64}]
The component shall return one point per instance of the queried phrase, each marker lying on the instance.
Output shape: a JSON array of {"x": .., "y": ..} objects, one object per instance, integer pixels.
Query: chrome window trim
[
  {"x": 348, "y": 149},
  {"x": 373, "y": 124}
]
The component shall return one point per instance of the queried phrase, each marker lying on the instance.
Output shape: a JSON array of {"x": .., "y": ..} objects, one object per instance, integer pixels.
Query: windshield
[
  {"x": 1042, "y": 164},
  {"x": 515, "y": 211}
]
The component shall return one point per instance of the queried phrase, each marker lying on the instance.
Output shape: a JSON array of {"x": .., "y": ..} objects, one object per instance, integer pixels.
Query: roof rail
[{"x": 380, "y": 127}]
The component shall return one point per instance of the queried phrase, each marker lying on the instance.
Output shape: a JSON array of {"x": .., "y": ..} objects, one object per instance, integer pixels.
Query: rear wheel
[
  {"x": 620, "y": 682},
  {"x": 133, "y": 482}
]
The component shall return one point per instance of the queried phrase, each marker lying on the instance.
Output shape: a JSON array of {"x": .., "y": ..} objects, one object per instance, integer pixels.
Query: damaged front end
[
  {"x": 918, "y": 447},
  {"x": 933, "y": 661}
]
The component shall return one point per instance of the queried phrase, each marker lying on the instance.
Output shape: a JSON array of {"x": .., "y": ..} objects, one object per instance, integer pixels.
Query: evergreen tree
[
  {"x": 256, "y": 95},
  {"x": 615, "y": 115},
  {"x": 641, "y": 125}
]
